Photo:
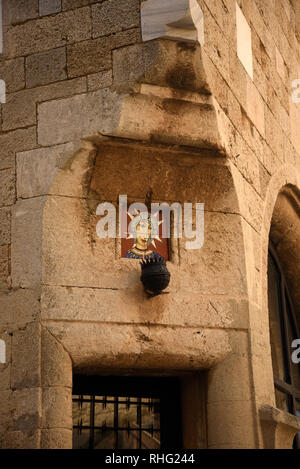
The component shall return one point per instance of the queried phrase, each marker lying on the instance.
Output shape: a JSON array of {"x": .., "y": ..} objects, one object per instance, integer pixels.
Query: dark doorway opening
[{"x": 111, "y": 412}]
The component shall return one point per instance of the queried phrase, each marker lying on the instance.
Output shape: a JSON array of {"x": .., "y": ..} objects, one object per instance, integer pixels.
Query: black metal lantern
[{"x": 155, "y": 276}]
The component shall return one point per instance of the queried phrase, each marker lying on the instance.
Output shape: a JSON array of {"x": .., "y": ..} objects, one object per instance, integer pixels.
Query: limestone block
[
  {"x": 71, "y": 4},
  {"x": 89, "y": 57},
  {"x": 18, "y": 11},
  {"x": 4, "y": 226},
  {"x": 11, "y": 142},
  {"x": 95, "y": 55},
  {"x": 19, "y": 307},
  {"x": 180, "y": 20},
  {"x": 90, "y": 114},
  {"x": 115, "y": 15},
  {"x": 46, "y": 67},
  {"x": 56, "y": 365},
  {"x": 26, "y": 371},
  {"x": 5, "y": 413},
  {"x": 13, "y": 73},
  {"x": 20, "y": 108},
  {"x": 20, "y": 440},
  {"x": 237, "y": 429},
  {"x": 48, "y": 7},
  {"x": 131, "y": 306},
  {"x": 53, "y": 438},
  {"x": 218, "y": 268},
  {"x": 5, "y": 371},
  {"x": 73, "y": 226},
  {"x": 140, "y": 347},
  {"x": 7, "y": 187},
  {"x": 274, "y": 133},
  {"x": 4, "y": 266},
  {"x": 27, "y": 243},
  {"x": 56, "y": 407},
  {"x": 255, "y": 107},
  {"x": 100, "y": 80},
  {"x": 244, "y": 42},
  {"x": 280, "y": 66},
  {"x": 25, "y": 409},
  {"x": 48, "y": 33},
  {"x": 216, "y": 45},
  {"x": 186, "y": 178},
  {"x": 37, "y": 169},
  {"x": 230, "y": 380}
]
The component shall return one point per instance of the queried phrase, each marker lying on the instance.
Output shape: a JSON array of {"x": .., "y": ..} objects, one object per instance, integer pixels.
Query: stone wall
[{"x": 75, "y": 69}]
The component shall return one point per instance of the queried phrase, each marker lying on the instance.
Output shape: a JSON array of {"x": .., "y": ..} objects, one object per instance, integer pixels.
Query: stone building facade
[{"x": 200, "y": 105}]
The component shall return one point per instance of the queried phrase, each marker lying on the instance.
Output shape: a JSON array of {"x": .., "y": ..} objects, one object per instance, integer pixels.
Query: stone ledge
[{"x": 278, "y": 427}]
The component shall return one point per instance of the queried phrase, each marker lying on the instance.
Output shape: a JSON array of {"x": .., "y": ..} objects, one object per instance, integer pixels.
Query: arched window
[{"x": 284, "y": 329}]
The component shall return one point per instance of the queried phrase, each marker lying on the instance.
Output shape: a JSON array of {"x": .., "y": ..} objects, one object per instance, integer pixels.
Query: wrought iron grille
[
  {"x": 104, "y": 422},
  {"x": 126, "y": 412},
  {"x": 284, "y": 328}
]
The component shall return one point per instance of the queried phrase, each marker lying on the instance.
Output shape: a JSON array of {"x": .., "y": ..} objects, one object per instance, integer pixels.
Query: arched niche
[
  {"x": 281, "y": 227},
  {"x": 93, "y": 301}
]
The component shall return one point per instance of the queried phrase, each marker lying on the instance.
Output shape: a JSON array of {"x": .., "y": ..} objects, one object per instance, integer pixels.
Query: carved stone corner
[
  {"x": 279, "y": 428},
  {"x": 164, "y": 96}
]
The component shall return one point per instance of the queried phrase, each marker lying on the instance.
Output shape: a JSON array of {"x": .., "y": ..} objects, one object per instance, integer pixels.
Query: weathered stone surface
[
  {"x": 4, "y": 266},
  {"x": 95, "y": 55},
  {"x": 7, "y": 187},
  {"x": 115, "y": 15},
  {"x": 20, "y": 440},
  {"x": 141, "y": 347},
  {"x": 5, "y": 414},
  {"x": 13, "y": 73},
  {"x": 48, "y": 32},
  {"x": 20, "y": 108},
  {"x": 46, "y": 67},
  {"x": 230, "y": 380},
  {"x": 11, "y": 142},
  {"x": 19, "y": 307},
  {"x": 99, "y": 80},
  {"x": 48, "y": 7},
  {"x": 237, "y": 428},
  {"x": 36, "y": 169},
  {"x": 186, "y": 178},
  {"x": 18, "y": 11},
  {"x": 91, "y": 113},
  {"x": 162, "y": 62},
  {"x": 89, "y": 57},
  {"x": 5, "y": 370},
  {"x": 217, "y": 268},
  {"x": 56, "y": 365},
  {"x": 56, "y": 439},
  {"x": 255, "y": 107},
  {"x": 72, "y": 4},
  {"x": 26, "y": 410},
  {"x": 26, "y": 358},
  {"x": 26, "y": 245},
  {"x": 130, "y": 306},
  {"x": 56, "y": 407},
  {"x": 4, "y": 226}
]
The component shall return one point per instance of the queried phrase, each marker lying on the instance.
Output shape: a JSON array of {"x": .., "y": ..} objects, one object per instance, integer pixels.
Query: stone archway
[{"x": 282, "y": 226}]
